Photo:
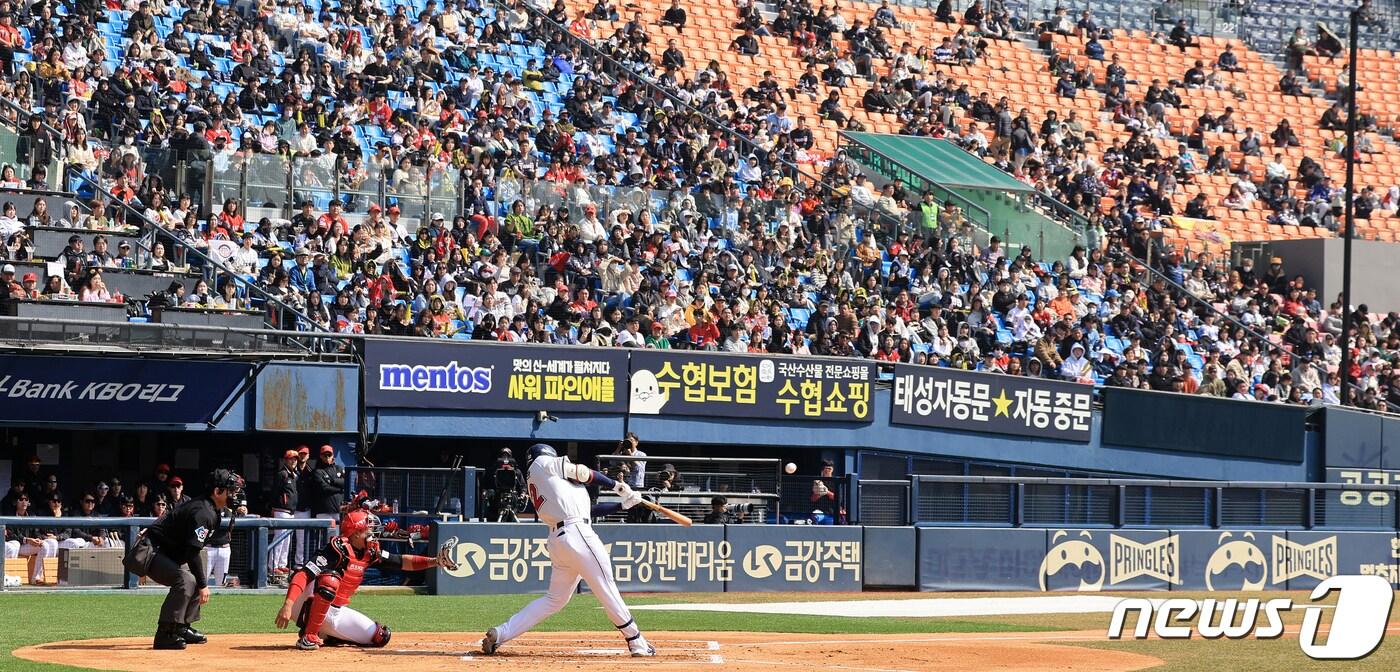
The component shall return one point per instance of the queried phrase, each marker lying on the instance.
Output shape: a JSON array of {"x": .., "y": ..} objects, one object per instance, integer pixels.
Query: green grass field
[
  {"x": 31, "y": 618},
  {"x": 38, "y": 617}
]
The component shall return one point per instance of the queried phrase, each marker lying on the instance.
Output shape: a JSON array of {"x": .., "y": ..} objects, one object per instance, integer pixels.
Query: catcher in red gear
[{"x": 319, "y": 592}]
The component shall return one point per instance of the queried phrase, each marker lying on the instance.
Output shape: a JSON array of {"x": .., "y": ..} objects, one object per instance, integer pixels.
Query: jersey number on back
[{"x": 535, "y": 497}]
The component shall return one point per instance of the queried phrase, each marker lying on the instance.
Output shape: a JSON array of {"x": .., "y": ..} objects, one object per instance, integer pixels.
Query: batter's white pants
[
  {"x": 281, "y": 543},
  {"x": 341, "y": 622},
  {"x": 218, "y": 564},
  {"x": 575, "y": 552},
  {"x": 302, "y": 553},
  {"x": 47, "y": 548}
]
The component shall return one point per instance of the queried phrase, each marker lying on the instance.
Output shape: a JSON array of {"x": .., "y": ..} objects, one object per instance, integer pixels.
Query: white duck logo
[{"x": 647, "y": 397}]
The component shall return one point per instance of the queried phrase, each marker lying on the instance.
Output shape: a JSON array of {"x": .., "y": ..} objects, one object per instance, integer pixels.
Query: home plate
[{"x": 917, "y": 608}]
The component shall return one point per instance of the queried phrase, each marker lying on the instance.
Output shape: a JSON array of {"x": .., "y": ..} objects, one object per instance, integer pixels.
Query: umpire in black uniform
[{"x": 177, "y": 540}]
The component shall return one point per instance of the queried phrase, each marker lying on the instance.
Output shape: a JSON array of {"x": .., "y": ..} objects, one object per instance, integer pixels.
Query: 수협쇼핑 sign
[{"x": 803, "y": 388}]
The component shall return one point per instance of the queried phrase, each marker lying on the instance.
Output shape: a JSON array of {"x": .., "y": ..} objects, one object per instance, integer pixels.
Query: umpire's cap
[{"x": 536, "y": 451}]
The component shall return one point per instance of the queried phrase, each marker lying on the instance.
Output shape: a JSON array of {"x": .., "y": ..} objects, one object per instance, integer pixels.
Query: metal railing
[
  {"x": 248, "y": 544},
  {"x": 152, "y": 232},
  {"x": 1120, "y": 503},
  {"x": 882, "y": 502},
  {"x": 434, "y": 490},
  {"x": 42, "y": 333}
]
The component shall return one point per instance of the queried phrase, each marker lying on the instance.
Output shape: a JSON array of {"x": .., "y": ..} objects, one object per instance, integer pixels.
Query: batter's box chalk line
[{"x": 668, "y": 650}]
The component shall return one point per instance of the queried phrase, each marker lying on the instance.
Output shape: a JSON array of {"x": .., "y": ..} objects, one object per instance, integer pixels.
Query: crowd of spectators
[
  {"x": 739, "y": 256},
  {"x": 36, "y": 492}
]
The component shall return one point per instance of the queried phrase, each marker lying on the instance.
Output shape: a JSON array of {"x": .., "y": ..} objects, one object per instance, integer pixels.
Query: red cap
[
  {"x": 176, "y": 480},
  {"x": 327, "y": 450},
  {"x": 289, "y": 454},
  {"x": 374, "y": 207},
  {"x": 163, "y": 468},
  {"x": 303, "y": 450},
  {"x": 31, "y": 277},
  {"x": 393, "y": 209}
]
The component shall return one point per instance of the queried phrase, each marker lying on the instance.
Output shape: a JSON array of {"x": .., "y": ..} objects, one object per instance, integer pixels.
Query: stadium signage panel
[
  {"x": 115, "y": 390},
  {"x": 928, "y": 396},
  {"x": 463, "y": 376},
  {"x": 786, "y": 388}
]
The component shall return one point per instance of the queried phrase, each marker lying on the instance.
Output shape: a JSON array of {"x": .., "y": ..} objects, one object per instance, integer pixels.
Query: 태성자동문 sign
[
  {"x": 803, "y": 388},
  {"x": 117, "y": 390},
  {"x": 930, "y": 396},
  {"x": 464, "y": 376}
]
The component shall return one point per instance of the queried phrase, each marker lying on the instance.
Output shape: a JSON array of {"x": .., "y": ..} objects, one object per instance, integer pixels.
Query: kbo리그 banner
[{"x": 115, "y": 390}]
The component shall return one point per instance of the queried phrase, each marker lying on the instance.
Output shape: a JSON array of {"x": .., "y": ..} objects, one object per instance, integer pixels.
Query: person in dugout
[{"x": 319, "y": 592}]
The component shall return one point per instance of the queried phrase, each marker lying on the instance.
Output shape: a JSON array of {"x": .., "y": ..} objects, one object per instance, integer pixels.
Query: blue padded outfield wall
[{"x": 514, "y": 558}]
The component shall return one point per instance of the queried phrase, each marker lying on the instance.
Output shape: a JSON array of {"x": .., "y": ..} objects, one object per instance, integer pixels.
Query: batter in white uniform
[{"x": 556, "y": 487}]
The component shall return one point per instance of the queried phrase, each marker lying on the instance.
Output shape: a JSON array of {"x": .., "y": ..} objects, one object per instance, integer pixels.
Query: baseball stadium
[{"x": 851, "y": 335}]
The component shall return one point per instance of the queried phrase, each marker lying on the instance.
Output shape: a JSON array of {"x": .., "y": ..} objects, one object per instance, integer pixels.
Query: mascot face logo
[
  {"x": 1072, "y": 564},
  {"x": 647, "y": 397},
  {"x": 1236, "y": 563},
  {"x": 471, "y": 558},
  {"x": 763, "y": 561}
]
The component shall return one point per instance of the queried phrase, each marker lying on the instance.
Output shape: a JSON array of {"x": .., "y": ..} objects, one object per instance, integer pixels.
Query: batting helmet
[
  {"x": 536, "y": 451},
  {"x": 360, "y": 521}
]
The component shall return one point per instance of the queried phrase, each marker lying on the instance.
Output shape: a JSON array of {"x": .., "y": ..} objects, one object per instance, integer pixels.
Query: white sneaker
[
  {"x": 641, "y": 648},
  {"x": 489, "y": 642}
]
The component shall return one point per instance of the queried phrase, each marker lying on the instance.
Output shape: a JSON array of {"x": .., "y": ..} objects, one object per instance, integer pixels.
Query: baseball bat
[{"x": 675, "y": 517}]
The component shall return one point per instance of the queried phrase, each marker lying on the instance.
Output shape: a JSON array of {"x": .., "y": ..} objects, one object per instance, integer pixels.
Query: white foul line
[{"x": 826, "y": 666}]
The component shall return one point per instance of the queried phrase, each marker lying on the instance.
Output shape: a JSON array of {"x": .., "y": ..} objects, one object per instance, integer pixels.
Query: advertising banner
[
  {"x": 514, "y": 558},
  {"x": 1304, "y": 559},
  {"x": 795, "y": 558},
  {"x": 1229, "y": 560},
  {"x": 930, "y": 396},
  {"x": 115, "y": 390},
  {"x": 980, "y": 559},
  {"x": 465, "y": 376},
  {"x": 787, "y": 388},
  {"x": 668, "y": 558},
  {"x": 494, "y": 558}
]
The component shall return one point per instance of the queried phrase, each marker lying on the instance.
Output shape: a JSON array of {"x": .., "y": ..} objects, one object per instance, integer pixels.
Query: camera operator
[
  {"x": 637, "y": 470},
  {"x": 720, "y": 514},
  {"x": 508, "y": 494},
  {"x": 637, "y": 515}
]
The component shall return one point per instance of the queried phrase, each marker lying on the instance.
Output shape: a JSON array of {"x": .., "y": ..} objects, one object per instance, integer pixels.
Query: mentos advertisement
[{"x": 490, "y": 377}]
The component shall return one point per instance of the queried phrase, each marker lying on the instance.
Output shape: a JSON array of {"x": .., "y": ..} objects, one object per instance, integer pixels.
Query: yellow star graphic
[{"x": 1003, "y": 404}]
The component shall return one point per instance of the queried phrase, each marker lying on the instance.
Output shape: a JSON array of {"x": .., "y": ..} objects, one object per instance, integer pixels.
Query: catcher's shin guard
[
  {"x": 326, "y": 587},
  {"x": 381, "y": 636}
]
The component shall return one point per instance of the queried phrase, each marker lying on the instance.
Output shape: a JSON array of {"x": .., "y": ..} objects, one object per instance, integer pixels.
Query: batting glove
[{"x": 629, "y": 497}]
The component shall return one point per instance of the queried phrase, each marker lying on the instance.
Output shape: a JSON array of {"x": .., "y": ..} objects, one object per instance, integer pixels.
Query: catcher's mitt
[{"x": 445, "y": 553}]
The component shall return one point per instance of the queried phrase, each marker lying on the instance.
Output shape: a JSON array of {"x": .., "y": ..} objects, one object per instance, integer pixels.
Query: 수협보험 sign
[
  {"x": 466, "y": 376},
  {"x": 803, "y": 388},
  {"x": 929, "y": 396}
]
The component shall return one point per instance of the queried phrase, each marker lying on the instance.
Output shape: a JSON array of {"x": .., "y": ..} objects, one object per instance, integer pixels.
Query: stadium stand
[{"x": 467, "y": 170}]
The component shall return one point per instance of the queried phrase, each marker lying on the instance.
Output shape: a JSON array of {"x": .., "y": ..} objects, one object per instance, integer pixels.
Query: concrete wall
[{"x": 1319, "y": 260}]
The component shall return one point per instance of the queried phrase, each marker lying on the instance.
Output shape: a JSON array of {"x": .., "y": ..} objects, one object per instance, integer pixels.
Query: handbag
[{"x": 138, "y": 558}]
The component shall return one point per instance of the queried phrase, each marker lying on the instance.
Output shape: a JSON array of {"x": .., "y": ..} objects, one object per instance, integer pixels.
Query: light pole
[{"x": 1350, "y": 221}]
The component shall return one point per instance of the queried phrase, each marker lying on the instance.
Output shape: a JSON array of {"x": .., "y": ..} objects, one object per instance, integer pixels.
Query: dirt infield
[{"x": 552, "y": 652}]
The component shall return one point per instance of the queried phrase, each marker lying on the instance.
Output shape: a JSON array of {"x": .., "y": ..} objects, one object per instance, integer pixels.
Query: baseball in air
[{"x": 790, "y": 468}]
